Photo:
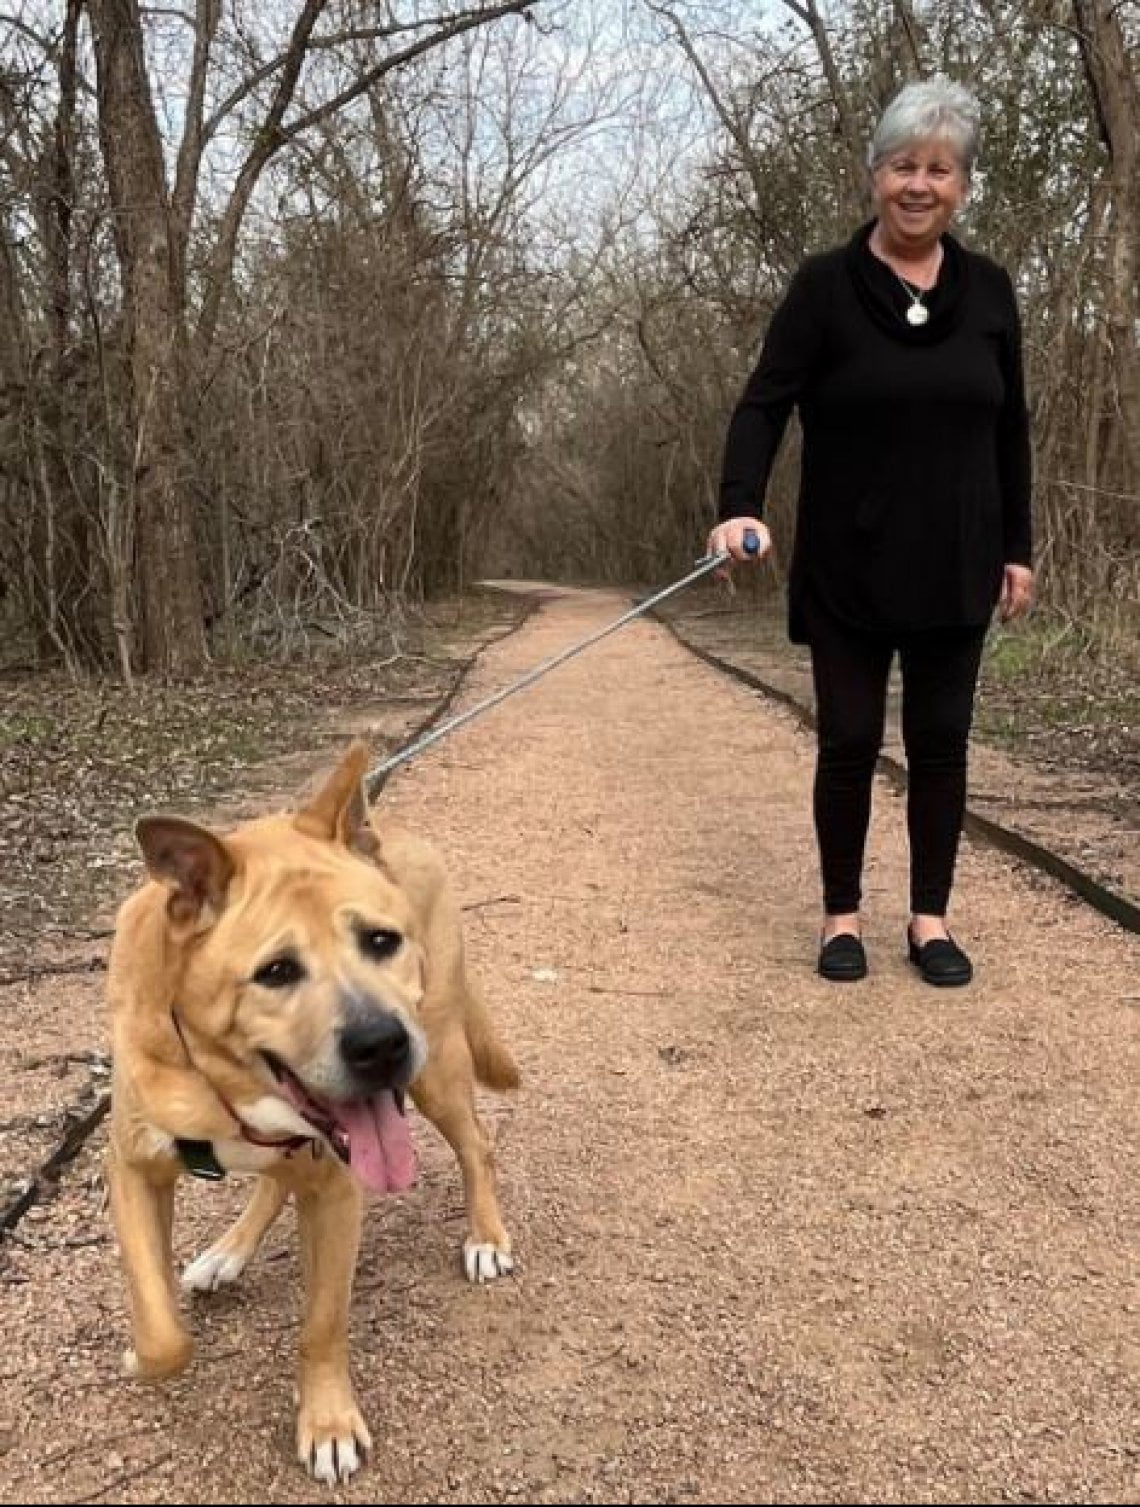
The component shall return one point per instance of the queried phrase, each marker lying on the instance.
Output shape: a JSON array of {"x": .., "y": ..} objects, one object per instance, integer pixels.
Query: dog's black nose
[{"x": 377, "y": 1049}]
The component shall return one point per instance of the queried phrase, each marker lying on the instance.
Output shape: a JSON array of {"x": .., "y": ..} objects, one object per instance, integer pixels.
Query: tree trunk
[
  {"x": 1115, "y": 93},
  {"x": 170, "y": 635}
]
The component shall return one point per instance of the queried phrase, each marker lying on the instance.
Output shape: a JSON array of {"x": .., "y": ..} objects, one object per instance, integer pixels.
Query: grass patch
[{"x": 1062, "y": 692}]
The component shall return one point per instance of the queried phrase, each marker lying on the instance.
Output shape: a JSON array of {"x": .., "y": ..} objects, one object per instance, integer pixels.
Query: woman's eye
[
  {"x": 279, "y": 973},
  {"x": 379, "y": 943}
]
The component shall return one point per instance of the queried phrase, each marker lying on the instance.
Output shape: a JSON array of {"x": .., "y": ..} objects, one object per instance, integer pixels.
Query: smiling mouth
[{"x": 370, "y": 1135}]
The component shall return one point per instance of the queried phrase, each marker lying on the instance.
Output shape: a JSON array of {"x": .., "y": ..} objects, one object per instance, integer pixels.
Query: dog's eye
[
  {"x": 279, "y": 973},
  {"x": 379, "y": 943}
]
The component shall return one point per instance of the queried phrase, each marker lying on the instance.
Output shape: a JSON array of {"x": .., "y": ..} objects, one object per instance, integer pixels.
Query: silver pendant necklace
[{"x": 918, "y": 313}]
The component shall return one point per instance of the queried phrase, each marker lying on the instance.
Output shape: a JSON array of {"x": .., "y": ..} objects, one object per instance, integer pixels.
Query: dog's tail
[{"x": 494, "y": 1065}]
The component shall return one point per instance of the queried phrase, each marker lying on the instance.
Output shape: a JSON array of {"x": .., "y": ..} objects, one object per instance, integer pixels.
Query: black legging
[{"x": 939, "y": 675}]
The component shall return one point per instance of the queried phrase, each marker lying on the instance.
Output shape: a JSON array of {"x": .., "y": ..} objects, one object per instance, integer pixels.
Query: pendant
[{"x": 917, "y": 314}]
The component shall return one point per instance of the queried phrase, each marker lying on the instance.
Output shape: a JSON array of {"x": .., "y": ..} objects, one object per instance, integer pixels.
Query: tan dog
[{"x": 274, "y": 991}]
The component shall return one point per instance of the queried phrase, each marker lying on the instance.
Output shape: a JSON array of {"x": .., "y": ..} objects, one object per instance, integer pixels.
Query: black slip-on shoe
[
  {"x": 940, "y": 962},
  {"x": 843, "y": 960}
]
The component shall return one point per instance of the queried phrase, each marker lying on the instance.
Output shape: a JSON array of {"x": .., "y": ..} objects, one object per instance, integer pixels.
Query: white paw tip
[
  {"x": 130, "y": 1362},
  {"x": 485, "y": 1262},
  {"x": 211, "y": 1270},
  {"x": 333, "y": 1462}
]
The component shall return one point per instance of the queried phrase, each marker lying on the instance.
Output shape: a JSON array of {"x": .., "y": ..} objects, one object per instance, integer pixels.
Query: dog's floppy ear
[
  {"x": 338, "y": 811},
  {"x": 191, "y": 861}
]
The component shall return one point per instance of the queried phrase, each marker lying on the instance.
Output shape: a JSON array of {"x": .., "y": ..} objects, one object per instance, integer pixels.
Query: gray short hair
[{"x": 934, "y": 107}]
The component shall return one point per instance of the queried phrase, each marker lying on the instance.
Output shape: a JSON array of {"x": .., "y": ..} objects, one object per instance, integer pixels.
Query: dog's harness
[{"x": 199, "y": 1157}]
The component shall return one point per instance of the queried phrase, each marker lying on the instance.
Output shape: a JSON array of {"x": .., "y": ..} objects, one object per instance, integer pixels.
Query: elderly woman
[{"x": 901, "y": 351}]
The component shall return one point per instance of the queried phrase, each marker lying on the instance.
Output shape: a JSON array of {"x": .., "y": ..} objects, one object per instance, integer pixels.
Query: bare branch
[
  {"x": 730, "y": 123},
  {"x": 810, "y": 16},
  {"x": 193, "y": 136},
  {"x": 324, "y": 42},
  {"x": 273, "y": 135},
  {"x": 910, "y": 30}
]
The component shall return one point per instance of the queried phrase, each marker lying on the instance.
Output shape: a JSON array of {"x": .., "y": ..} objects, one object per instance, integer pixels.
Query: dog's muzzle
[{"x": 357, "y": 1103}]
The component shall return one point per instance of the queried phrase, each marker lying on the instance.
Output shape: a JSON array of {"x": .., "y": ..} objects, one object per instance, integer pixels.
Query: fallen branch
[
  {"x": 49, "y": 970},
  {"x": 48, "y": 1174}
]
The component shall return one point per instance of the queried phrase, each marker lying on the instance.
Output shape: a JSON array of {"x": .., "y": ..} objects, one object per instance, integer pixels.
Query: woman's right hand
[{"x": 728, "y": 538}]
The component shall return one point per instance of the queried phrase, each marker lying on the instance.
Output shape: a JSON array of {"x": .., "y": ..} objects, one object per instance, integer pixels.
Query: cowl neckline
[{"x": 887, "y": 301}]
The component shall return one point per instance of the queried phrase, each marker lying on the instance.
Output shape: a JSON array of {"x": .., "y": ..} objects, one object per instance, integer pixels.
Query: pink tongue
[{"x": 379, "y": 1143}]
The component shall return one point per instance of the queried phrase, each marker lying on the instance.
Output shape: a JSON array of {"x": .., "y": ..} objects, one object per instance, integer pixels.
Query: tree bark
[
  {"x": 171, "y": 636},
  {"x": 1115, "y": 92}
]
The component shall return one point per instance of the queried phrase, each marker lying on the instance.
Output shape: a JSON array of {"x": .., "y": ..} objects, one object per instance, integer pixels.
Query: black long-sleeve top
[{"x": 915, "y": 476}]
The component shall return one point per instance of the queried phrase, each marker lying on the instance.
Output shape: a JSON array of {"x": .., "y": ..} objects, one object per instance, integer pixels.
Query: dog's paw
[
  {"x": 159, "y": 1363},
  {"x": 214, "y": 1268},
  {"x": 483, "y": 1261},
  {"x": 332, "y": 1447}
]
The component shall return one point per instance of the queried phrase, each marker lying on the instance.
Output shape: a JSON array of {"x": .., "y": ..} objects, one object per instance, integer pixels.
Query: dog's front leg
[
  {"x": 227, "y": 1258},
  {"x": 142, "y": 1208},
  {"x": 444, "y": 1093},
  {"x": 332, "y": 1439}
]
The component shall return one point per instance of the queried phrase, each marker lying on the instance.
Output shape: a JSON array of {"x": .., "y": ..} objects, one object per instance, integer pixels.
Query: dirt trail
[{"x": 778, "y": 1240}]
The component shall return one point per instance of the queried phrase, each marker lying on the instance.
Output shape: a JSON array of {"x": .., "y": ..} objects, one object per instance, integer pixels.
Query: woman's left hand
[{"x": 1016, "y": 592}]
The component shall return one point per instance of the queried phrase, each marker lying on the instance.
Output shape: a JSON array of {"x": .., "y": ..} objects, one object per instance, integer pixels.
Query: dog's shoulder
[
  {"x": 413, "y": 861},
  {"x": 137, "y": 959},
  {"x": 157, "y": 1091}
]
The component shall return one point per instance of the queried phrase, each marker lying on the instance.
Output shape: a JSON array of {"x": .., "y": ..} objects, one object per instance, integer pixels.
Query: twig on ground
[
  {"x": 495, "y": 900},
  {"x": 630, "y": 993}
]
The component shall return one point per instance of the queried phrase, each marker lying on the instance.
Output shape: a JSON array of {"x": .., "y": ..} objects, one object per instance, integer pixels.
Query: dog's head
[{"x": 297, "y": 972}]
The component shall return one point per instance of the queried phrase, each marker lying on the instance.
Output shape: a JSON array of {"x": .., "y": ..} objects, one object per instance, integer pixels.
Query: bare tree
[{"x": 153, "y": 224}]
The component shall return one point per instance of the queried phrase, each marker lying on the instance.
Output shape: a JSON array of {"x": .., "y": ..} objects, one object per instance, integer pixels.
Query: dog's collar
[{"x": 199, "y": 1158}]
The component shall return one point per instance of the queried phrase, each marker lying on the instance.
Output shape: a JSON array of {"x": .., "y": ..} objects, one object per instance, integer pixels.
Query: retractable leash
[{"x": 376, "y": 777}]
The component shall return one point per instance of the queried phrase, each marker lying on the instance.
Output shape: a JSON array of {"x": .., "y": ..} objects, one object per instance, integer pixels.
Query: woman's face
[{"x": 918, "y": 190}]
